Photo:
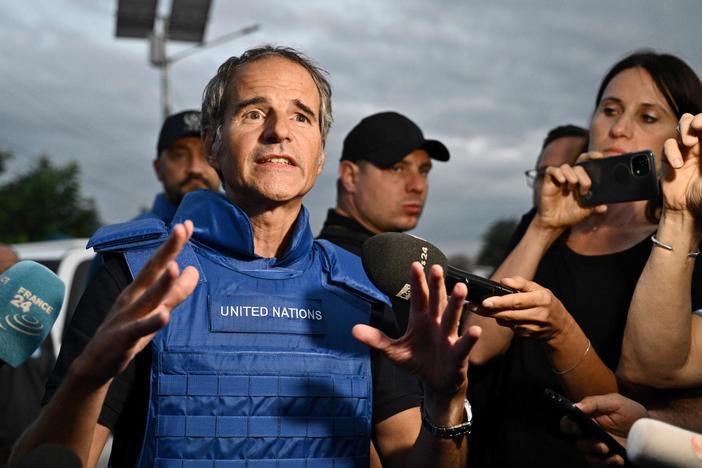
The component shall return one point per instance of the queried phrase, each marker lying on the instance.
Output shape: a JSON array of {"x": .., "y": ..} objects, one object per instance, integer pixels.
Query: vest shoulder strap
[
  {"x": 129, "y": 235},
  {"x": 138, "y": 240},
  {"x": 137, "y": 257},
  {"x": 346, "y": 270}
]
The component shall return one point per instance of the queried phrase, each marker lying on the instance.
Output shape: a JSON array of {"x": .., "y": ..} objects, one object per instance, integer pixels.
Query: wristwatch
[{"x": 449, "y": 432}]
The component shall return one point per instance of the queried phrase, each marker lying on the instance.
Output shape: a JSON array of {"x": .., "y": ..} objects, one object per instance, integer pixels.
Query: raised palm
[{"x": 431, "y": 347}]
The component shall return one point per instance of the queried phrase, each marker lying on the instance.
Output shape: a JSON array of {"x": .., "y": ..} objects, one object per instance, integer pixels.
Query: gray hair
[{"x": 215, "y": 94}]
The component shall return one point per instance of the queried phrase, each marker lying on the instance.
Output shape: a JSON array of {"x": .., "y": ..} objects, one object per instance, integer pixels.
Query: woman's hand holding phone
[{"x": 559, "y": 206}]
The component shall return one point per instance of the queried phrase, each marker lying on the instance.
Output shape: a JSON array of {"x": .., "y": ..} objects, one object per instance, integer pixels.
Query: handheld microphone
[
  {"x": 31, "y": 297},
  {"x": 654, "y": 443},
  {"x": 387, "y": 258}
]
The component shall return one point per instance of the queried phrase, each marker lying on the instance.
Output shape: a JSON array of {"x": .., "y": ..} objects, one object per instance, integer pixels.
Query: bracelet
[
  {"x": 449, "y": 432},
  {"x": 582, "y": 358},
  {"x": 669, "y": 247}
]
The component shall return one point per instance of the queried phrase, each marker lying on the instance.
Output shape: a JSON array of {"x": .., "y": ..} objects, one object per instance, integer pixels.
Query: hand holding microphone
[{"x": 31, "y": 297}]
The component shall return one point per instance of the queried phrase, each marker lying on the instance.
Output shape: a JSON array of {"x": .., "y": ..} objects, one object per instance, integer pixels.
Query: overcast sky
[{"x": 488, "y": 78}]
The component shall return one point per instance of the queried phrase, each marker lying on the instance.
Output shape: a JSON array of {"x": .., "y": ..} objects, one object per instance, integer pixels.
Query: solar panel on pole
[
  {"x": 188, "y": 20},
  {"x": 135, "y": 18}
]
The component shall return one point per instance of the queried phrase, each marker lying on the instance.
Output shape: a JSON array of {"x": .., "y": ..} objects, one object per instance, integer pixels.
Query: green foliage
[
  {"x": 496, "y": 241},
  {"x": 4, "y": 157},
  {"x": 45, "y": 203}
]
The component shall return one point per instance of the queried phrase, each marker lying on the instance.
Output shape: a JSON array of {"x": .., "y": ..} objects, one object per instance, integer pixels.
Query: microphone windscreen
[
  {"x": 387, "y": 258},
  {"x": 31, "y": 296},
  {"x": 654, "y": 443},
  {"x": 50, "y": 456}
]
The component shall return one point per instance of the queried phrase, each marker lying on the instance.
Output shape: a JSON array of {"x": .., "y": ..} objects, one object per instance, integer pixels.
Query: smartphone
[
  {"x": 628, "y": 177},
  {"x": 479, "y": 288},
  {"x": 588, "y": 425}
]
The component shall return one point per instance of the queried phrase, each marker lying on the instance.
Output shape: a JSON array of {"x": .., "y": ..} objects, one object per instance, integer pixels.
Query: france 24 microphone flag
[{"x": 31, "y": 297}]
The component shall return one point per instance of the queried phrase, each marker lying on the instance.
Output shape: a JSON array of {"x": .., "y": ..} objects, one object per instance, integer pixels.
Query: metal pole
[{"x": 165, "y": 91}]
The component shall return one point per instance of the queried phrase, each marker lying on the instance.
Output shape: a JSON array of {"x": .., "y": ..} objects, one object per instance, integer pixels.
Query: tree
[
  {"x": 462, "y": 261},
  {"x": 45, "y": 202},
  {"x": 496, "y": 241},
  {"x": 4, "y": 157}
]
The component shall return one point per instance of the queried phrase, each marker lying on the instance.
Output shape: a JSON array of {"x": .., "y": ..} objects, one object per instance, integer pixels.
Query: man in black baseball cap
[
  {"x": 180, "y": 164},
  {"x": 383, "y": 179},
  {"x": 382, "y": 187}
]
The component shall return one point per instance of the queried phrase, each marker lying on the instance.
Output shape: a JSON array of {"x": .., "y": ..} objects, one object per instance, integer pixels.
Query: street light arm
[{"x": 213, "y": 43}]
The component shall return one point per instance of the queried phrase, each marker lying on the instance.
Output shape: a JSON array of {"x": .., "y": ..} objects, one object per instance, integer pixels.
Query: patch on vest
[{"x": 266, "y": 314}]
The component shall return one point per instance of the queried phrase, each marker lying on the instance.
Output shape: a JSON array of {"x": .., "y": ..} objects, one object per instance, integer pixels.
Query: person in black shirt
[
  {"x": 382, "y": 187},
  {"x": 180, "y": 164},
  {"x": 383, "y": 179},
  {"x": 590, "y": 260}
]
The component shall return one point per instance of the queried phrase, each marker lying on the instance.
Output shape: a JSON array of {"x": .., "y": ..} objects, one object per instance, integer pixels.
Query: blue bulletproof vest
[{"x": 258, "y": 368}]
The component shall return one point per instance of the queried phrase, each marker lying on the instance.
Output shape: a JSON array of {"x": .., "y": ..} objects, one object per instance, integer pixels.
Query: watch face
[{"x": 469, "y": 411}]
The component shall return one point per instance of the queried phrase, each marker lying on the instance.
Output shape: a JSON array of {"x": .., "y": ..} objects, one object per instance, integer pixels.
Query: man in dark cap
[
  {"x": 383, "y": 179},
  {"x": 181, "y": 167},
  {"x": 180, "y": 164},
  {"x": 382, "y": 186}
]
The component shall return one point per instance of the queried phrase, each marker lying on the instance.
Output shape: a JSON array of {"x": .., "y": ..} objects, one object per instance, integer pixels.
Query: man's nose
[
  {"x": 277, "y": 128},
  {"x": 198, "y": 163},
  {"x": 416, "y": 182}
]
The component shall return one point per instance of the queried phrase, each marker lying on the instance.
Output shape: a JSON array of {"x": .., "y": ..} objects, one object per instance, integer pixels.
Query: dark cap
[
  {"x": 386, "y": 138},
  {"x": 180, "y": 125}
]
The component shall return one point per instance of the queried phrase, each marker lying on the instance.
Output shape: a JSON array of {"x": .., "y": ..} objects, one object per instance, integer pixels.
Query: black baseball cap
[
  {"x": 386, "y": 138},
  {"x": 180, "y": 125}
]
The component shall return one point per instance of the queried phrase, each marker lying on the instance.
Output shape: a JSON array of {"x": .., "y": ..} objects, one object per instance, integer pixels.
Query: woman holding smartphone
[{"x": 568, "y": 337}]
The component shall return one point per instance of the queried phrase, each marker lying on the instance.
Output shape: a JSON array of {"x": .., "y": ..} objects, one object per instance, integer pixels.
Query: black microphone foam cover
[{"x": 387, "y": 258}]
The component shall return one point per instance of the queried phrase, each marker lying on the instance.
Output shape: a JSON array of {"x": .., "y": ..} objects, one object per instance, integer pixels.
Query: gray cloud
[{"x": 487, "y": 78}]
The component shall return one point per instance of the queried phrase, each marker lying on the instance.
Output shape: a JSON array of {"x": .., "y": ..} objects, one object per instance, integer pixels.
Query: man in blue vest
[
  {"x": 265, "y": 363},
  {"x": 180, "y": 164}
]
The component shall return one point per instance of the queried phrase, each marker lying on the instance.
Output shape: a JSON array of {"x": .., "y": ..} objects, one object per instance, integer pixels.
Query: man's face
[
  {"x": 564, "y": 150},
  {"x": 271, "y": 150},
  {"x": 392, "y": 199},
  {"x": 183, "y": 168}
]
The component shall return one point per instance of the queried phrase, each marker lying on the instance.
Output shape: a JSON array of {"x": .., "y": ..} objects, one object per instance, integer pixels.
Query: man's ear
[
  {"x": 322, "y": 159},
  {"x": 157, "y": 167},
  {"x": 348, "y": 175},
  {"x": 208, "y": 149}
]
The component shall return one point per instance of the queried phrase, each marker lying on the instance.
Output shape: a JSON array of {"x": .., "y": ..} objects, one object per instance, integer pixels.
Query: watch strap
[{"x": 449, "y": 432}]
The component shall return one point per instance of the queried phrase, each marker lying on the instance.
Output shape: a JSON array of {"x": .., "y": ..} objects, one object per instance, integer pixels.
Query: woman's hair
[{"x": 678, "y": 83}]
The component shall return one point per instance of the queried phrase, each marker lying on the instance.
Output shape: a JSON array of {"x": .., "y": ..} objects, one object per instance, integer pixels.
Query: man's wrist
[
  {"x": 449, "y": 432},
  {"x": 80, "y": 373},
  {"x": 544, "y": 233},
  {"x": 444, "y": 409}
]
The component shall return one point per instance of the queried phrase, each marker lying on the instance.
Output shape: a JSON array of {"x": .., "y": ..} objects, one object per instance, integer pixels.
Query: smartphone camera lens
[{"x": 639, "y": 165}]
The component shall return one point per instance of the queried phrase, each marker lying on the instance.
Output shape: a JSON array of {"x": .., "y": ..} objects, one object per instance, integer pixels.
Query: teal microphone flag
[{"x": 31, "y": 297}]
